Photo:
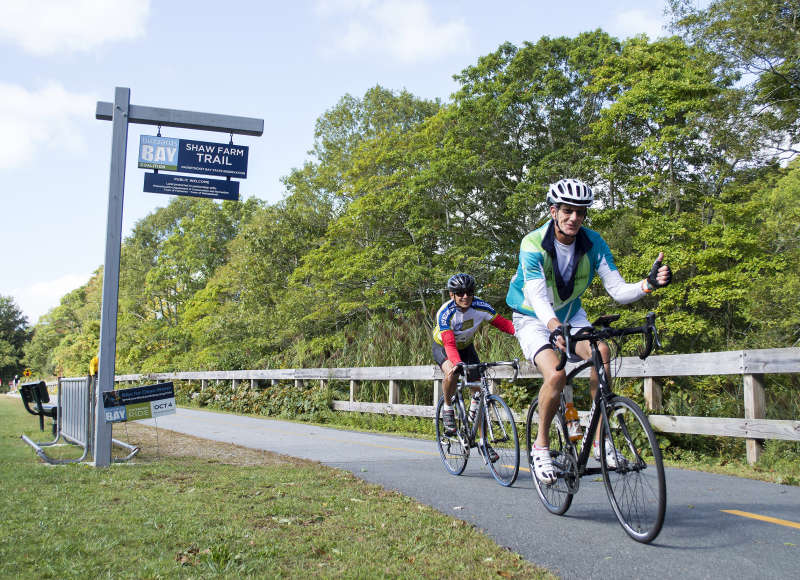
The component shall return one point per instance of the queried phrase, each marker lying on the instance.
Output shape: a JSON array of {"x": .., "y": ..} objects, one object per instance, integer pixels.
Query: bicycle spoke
[
  {"x": 453, "y": 452},
  {"x": 556, "y": 497},
  {"x": 635, "y": 478},
  {"x": 500, "y": 432}
]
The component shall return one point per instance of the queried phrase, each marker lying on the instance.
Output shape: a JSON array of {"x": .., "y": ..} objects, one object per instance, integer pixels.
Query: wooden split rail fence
[{"x": 751, "y": 365}]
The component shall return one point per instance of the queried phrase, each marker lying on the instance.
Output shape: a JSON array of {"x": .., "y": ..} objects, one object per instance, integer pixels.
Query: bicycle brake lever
[{"x": 651, "y": 324}]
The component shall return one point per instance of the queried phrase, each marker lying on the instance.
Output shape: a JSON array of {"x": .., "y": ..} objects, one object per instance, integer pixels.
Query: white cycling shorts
[{"x": 533, "y": 335}]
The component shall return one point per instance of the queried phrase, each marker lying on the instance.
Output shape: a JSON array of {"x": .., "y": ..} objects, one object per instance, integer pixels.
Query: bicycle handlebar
[
  {"x": 648, "y": 329},
  {"x": 481, "y": 367}
]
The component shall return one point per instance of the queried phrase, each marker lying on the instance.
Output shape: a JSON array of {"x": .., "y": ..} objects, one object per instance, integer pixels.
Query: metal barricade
[{"x": 76, "y": 404}]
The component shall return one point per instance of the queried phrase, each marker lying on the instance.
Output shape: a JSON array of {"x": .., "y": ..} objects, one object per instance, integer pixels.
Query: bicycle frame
[
  {"x": 604, "y": 394},
  {"x": 483, "y": 388},
  {"x": 494, "y": 421},
  {"x": 633, "y": 472},
  {"x": 596, "y": 412}
]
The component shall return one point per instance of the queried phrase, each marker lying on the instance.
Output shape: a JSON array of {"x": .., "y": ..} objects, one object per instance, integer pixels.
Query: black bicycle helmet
[
  {"x": 570, "y": 191},
  {"x": 461, "y": 283}
]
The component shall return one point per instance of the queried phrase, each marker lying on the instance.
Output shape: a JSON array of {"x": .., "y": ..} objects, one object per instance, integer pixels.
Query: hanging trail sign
[
  {"x": 191, "y": 186},
  {"x": 186, "y": 156}
]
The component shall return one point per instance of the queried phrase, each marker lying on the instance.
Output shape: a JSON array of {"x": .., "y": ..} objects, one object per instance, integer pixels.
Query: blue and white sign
[
  {"x": 139, "y": 403},
  {"x": 191, "y": 186},
  {"x": 213, "y": 158},
  {"x": 158, "y": 152},
  {"x": 185, "y": 156}
]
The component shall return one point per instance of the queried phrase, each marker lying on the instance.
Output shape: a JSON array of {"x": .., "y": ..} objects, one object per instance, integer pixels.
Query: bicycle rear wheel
[
  {"x": 636, "y": 485},
  {"x": 452, "y": 450},
  {"x": 500, "y": 431},
  {"x": 556, "y": 497}
]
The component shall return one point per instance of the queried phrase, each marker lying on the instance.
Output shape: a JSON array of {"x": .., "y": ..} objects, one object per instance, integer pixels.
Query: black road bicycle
[
  {"x": 630, "y": 458},
  {"x": 493, "y": 426}
]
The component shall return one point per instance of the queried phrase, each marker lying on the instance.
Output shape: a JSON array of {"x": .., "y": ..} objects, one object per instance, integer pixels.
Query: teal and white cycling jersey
[{"x": 545, "y": 291}]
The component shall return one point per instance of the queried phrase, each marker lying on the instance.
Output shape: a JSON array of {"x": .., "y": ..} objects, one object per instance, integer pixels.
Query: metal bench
[
  {"x": 76, "y": 397},
  {"x": 36, "y": 394}
]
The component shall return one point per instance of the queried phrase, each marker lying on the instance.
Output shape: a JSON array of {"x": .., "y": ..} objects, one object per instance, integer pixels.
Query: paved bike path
[{"x": 698, "y": 540}]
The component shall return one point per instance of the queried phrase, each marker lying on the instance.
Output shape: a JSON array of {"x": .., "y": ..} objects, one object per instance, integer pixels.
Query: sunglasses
[
  {"x": 569, "y": 211},
  {"x": 462, "y": 293}
]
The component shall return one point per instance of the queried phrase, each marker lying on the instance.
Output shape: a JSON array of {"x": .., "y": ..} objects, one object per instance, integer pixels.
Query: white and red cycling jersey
[{"x": 455, "y": 329}]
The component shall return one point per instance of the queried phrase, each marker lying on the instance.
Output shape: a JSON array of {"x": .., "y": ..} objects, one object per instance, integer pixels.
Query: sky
[{"x": 284, "y": 62}]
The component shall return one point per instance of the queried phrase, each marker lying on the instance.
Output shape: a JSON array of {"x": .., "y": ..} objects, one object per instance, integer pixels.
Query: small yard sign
[{"x": 139, "y": 402}]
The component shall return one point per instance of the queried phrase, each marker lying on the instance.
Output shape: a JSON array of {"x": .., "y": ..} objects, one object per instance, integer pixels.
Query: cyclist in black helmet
[
  {"x": 457, "y": 321},
  {"x": 557, "y": 262}
]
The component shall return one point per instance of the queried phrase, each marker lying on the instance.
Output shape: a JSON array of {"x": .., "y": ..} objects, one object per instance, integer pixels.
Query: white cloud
[
  {"x": 50, "y": 118},
  {"x": 40, "y": 297},
  {"x": 404, "y": 30},
  {"x": 45, "y": 27},
  {"x": 633, "y": 22}
]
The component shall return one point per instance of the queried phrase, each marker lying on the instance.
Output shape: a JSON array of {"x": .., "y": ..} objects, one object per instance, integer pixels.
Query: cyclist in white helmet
[{"x": 557, "y": 262}]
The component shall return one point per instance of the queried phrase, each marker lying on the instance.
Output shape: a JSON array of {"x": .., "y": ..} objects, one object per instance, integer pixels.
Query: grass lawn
[{"x": 193, "y": 508}]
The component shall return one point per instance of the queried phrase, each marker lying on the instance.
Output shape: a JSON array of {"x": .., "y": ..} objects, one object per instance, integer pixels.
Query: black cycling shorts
[{"x": 468, "y": 355}]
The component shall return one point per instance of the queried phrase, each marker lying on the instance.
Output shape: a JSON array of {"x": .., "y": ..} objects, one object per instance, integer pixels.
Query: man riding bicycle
[
  {"x": 457, "y": 321},
  {"x": 557, "y": 263}
]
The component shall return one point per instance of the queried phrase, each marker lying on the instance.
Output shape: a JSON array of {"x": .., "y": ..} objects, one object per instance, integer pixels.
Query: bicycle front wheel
[
  {"x": 500, "y": 432},
  {"x": 452, "y": 450},
  {"x": 556, "y": 497},
  {"x": 633, "y": 470}
]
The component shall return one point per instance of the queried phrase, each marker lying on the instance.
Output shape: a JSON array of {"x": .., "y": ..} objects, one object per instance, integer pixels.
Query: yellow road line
[
  {"x": 780, "y": 522},
  {"x": 366, "y": 444}
]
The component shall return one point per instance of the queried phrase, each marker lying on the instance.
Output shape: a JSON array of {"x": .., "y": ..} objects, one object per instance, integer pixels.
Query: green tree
[
  {"x": 233, "y": 321},
  {"x": 170, "y": 256},
  {"x": 516, "y": 125},
  {"x": 68, "y": 336},
  {"x": 340, "y": 130},
  {"x": 760, "y": 38},
  {"x": 14, "y": 334},
  {"x": 772, "y": 301},
  {"x": 652, "y": 138}
]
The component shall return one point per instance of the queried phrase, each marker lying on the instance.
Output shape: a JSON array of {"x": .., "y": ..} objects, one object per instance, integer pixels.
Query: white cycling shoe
[
  {"x": 543, "y": 465},
  {"x": 613, "y": 457}
]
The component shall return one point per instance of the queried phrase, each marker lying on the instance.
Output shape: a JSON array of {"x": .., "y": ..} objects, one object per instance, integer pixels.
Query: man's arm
[
  {"x": 450, "y": 348},
  {"x": 535, "y": 291},
  {"x": 625, "y": 293},
  {"x": 502, "y": 323}
]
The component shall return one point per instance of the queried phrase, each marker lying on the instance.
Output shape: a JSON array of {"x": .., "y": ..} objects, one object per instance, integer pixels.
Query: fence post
[
  {"x": 354, "y": 386},
  {"x": 394, "y": 392},
  {"x": 437, "y": 392},
  {"x": 299, "y": 383},
  {"x": 203, "y": 384},
  {"x": 235, "y": 384},
  {"x": 652, "y": 394},
  {"x": 754, "y": 408},
  {"x": 323, "y": 384}
]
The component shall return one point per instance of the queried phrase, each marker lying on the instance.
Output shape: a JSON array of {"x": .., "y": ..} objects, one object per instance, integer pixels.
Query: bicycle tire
[
  {"x": 452, "y": 450},
  {"x": 500, "y": 431},
  {"x": 636, "y": 487},
  {"x": 555, "y": 497}
]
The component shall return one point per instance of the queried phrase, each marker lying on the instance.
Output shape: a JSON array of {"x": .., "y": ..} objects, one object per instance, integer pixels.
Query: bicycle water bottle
[
  {"x": 473, "y": 406},
  {"x": 573, "y": 422}
]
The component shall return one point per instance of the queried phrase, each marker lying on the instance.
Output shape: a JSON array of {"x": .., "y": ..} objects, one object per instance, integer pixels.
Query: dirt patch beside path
[{"x": 157, "y": 443}]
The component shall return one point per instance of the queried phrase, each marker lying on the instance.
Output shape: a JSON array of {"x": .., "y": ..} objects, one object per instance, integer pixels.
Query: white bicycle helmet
[{"x": 570, "y": 191}]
